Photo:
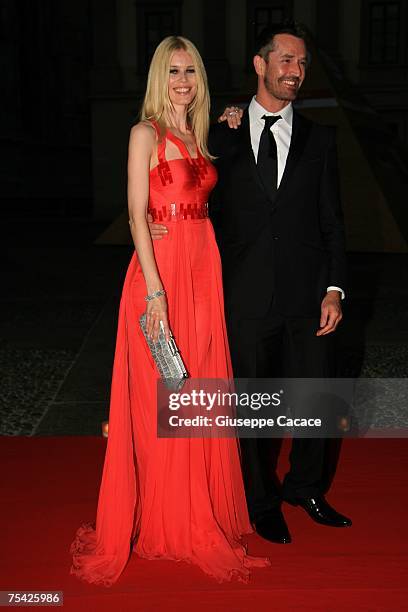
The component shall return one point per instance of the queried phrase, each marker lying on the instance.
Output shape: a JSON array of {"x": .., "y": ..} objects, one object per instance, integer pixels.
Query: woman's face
[{"x": 182, "y": 79}]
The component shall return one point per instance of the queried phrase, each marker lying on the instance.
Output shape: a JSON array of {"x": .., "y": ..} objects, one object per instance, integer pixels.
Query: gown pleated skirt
[{"x": 168, "y": 498}]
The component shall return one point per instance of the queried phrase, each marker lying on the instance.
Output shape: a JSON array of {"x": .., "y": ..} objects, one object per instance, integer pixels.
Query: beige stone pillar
[
  {"x": 305, "y": 12},
  {"x": 349, "y": 37}
]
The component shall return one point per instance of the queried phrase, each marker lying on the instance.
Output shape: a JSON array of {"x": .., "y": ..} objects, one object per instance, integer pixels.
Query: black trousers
[{"x": 271, "y": 347}]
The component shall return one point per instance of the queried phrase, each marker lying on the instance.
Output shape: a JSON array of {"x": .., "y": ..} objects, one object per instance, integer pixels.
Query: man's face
[{"x": 284, "y": 71}]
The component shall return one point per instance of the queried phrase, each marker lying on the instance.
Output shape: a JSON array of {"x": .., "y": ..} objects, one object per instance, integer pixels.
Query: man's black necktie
[{"x": 268, "y": 155}]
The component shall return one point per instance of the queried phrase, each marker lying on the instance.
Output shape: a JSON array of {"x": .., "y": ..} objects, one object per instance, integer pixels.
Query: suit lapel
[
  {"x": 246, "y": 143},
  {"x": 300, "y": 133},
  {"x": 247, "y": 148}
]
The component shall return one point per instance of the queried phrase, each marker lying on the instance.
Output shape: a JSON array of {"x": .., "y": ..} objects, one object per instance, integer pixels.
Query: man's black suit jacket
[{"x": 290, "y": 247}]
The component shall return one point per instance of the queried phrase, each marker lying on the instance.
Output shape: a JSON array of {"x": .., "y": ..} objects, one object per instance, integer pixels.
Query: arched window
[{"x": 384, "y": 32}]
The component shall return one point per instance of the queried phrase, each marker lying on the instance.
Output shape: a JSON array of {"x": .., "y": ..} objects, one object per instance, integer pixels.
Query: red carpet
[{"x": 49, "y": 486}]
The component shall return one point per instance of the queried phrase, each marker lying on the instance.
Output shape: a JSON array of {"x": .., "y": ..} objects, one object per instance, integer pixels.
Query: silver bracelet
[{"x": 156, "y": 294}]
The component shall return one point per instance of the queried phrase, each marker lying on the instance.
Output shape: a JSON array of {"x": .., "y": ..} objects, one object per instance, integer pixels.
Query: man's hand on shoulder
[
  {"x": 331, "y": 313},
  {"x": 232, "y": 115}
]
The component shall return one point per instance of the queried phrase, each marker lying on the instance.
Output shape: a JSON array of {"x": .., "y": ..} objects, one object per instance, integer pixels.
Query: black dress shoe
[
  {"x": 273, "y": 527},
  {"x": 320, "y": 511}
]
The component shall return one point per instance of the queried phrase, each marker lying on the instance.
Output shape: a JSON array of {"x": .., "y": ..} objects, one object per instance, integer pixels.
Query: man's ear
[{"x": 259, "y": 65}]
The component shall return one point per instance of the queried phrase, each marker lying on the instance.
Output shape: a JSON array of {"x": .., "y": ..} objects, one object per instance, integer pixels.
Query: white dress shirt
[{"x": 282, "y": 132}]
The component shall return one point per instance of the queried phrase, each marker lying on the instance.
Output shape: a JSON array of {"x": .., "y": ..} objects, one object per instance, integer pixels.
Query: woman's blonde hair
[{"x": 157, "y": 105}]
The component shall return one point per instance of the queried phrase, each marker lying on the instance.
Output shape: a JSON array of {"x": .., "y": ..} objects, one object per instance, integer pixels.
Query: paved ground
[{"x": 58, "y": 324}]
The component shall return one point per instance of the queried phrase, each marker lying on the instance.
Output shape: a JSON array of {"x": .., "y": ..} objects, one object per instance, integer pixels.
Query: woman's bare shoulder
[
  {"x": 144, "y": 125},
  {"x": 144, "y": 131}
]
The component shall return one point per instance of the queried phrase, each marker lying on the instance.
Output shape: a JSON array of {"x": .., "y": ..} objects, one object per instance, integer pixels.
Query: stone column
[
  {"x": 215, "y": 45},
  {"x": 127, "y": 43},
  {"x": 349, "y": 37},
  {"x": 110, "y": 116},
  {"x": 327, "y": 26},
  {"x": 192, "y": 22},
  {"x": 10, "y": 103},
  {"x": 306, "y": 13},
  {"x": 236, "y": 42},
  {"x": 105, "y": 75}
]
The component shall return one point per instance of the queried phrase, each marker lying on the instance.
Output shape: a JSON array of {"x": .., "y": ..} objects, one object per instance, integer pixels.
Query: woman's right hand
[{"x": 156, "y": 311}]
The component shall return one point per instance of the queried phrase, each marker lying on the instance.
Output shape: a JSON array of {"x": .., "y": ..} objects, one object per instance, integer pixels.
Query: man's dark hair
[{"x": 264, "y": 42}]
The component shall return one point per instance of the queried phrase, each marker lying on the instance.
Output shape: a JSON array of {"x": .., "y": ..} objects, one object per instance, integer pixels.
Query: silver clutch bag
[{"x": 167, "y": 357}]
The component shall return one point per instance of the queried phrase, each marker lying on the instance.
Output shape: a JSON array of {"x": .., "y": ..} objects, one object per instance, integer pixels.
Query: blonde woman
[{"x": 180, "y": 499}]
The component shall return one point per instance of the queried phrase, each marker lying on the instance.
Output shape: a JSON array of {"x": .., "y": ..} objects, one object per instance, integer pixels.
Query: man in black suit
[{"x": 278, "y": 222}]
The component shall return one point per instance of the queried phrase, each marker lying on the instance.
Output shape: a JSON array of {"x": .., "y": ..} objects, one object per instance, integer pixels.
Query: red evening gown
[{"x": 162, "y": 498}]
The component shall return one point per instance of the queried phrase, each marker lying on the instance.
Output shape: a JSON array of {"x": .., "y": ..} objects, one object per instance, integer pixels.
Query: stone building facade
[{"x": 75, "y": 72}]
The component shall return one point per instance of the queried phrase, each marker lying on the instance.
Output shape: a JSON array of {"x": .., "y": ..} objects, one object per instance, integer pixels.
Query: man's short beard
[{"x": 278, "y": 95}]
